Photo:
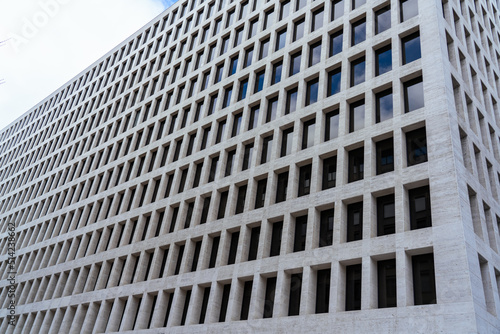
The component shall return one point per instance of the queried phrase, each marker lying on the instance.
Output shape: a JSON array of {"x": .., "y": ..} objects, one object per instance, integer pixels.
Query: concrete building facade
[{"x": 260, "y": 167}]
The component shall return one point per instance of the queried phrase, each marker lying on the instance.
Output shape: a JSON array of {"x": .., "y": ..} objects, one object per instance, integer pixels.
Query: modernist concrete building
[{"x": 264, "y": 167}]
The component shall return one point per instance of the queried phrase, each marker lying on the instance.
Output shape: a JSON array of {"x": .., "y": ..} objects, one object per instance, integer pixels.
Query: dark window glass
[
  {"x": 383, "y": 60},
  {"x": 227, "y": 97},
  {"x": 317, "y": 19},
  {"x": 386, "y": 215},
  {"x": 384, "y": 105},
  {"x": 185, "y": 309},
  {"x": 334, "y": 81},
  {"x": 358, "y": 33},
  {"x": 414, "y": 94},
  {"x": 213, "y": 104},
  {"x": 276, "y": 239},
  {"x": 323, "y": 290},
  {"x": 233, "y": 248},
  {"x": 213, "y": 253},
  {"x": 356, "y": 164},
  {"x": 220, "y": 131},
  {"x": 411, "y": 48},
  {"x": 177, "y": 152},
  {"x": 385, "y": 156},
  {"x": 225, "y": 45},
  {"x": 326, "y": 228},
  {"x": 248, "y": 57},
  {"x": 298, "y": 29},
  {"x": 197, "y": 175},
  {"x": 219, "y": 72},
  {"x": 267, "y": 144},
  {"x": 312, "y": 91},
  {"x": 264, "y": 48},
  {"x": 332, "y": 125},
  {"x": 239, "y": 37},
  {"x": 234, "y": 65},
  {"x": 205, "y": 210},
  {"x": 280, "y": 40},
  {"x": 314, "y": 53},
  {"x": 240, "y": 203},
  {"x": 416, "y": 147},
  {"x": 259, "y": 81},
  {"x": 204, "y": 305},
  {"x": 285, "y": 9},
  {"x": 299, "y": 242},
  {"x": 268, "y": 19},
  {"x": 245, "y": 301},
  {"x": 254, "y": 117},
  {"x": 355, "y": 221},
  {"x": 329, "y": 172},
  {"x": 286, "y": 142},
  {"x": 336, "y": 40},
  {"x": 179, "y": 260},
  {"x": 305, "y": 180},
  {"x": 357, "y": 71},
  {"x": 224, "y": 302},
  {"x": 424, "y": 285},
  {"x": 295, "y": 292},
  {"x": 269, "y": 297},
  {"x": 213, "y": 169},
  {"x": 204, "y": 140},
  {"x": 277, "y": 69},
  {"x": 291, "y": 101},
  {"x": 243, "y": 10},
  {"x": 272, "y": 108},
  {"x": 236, "y": 124},
  {"x": 357, "y": 116},
  {"x": 337, "y": 9},
  {"x": 243, "y": 89},
  {"x": 295, "y": 63},
  {"x": 247, "y": 156},
  {"x": 308, "y": 134},
  {"x": 254, "y": 243},
  {"x": 260, "y": 196},
  {"x": 222, "y": 204},
  {"x": 382, "y": 19},
  {"x": 229, "y": 162},
  {"x": 409, "y": 9},
  {"x": 196, "y": 255},
  {"x": 420, "y": 208},
  {"x": 282, "y": 187},
  {"x": 353, "y": 287}
]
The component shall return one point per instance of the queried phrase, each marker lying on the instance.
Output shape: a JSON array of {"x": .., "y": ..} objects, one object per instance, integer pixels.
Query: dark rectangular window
[
  {"x": 213, "y": 253},
  {"x": 277, "y": 69},
  {"x": 254, "y": 243},
  {"x": 334, "y": 79},
  {"x": 413, "y": 94},
  {"x": 416, "y": 147},
  {"x": 332, "y": 125},
  {"x": 264, "y": 48},
  {"x": 186, "y": 307},
  {"x": 205, "y": 210},
  {"x": 355, "y": 221},
  {"x": 317, "y": 19},
  {"x": 276, "y": 239},
  {"x": 314, "y": 53},
  {"x": 329, "y": 172},
  {"x": 259, "y": 81},
  {"x": 286, "y": 142},
  {"x": 204, "y": 139},
  {"x": 384, "y": 105},
  {"x": 383, "y": 60},
  {"x": 358, "y": 33},
  {"x": 247, "y": 157},
  {"x": 220, "y": 131},
  {"x": 224, "y": 302},
  {"x": 353, "y": 287},
  {"x": 204, "y": 304},
  {"x": 291, "y": 100},
  {"x": 254, "y": 117},
  {"x": 305, "y": 180},
  {"x": 299, "y": 241},
  {"x": 424, "y": 285},
  {"x": 196, "y": 255},
  {"x": 357, "y": 116},
  {"x": 229, "y": 162},
  {"x": 213, "y": 169},
  {"x": 285, "y": 9},
  {"x": 213, "y": 104},
  {"x": 240, "y": 202},
  {"x": 218, "y": 73},
  {"x": 420, "y": 207},
  {"x": 267, "y": 143},
  {"x": 326, "y": 228},
  {"x": 248, "y": 57},
  {"x": 295, "y": 292},
  {"x": 337, "y": 9},
  {"x": 260, "y": 196},
  {"x": 189, "y": 215},
  {"x": 245, "y": 301},
  {"x": 409, "y": 9},
  {"x": 356, "y": 164},
  {"x": 236, "y": 124},
  {"x": 386, "y": 215},
  {"x": 234, "y": 65},
  {"x": 227, "y": 97},
  {"x": 382, "y": 19},
  {"x": 280, "y": 39},
  {"x": 308, "y": 133},
  {"x": 222, "y": 204},
  {"x": 272, "y": 109},
  {"x": 282, "y": 187},
  {"x": 269, "y": 297},
  {"x": 233, "y": 247},
  {"x": 242, "y": 94},
  {"x": 182, "y": 182},
  {"x": 179, "y": 260},
  {"x": 298, "y": 29},
  {"x": 385, "y": 156},
  {"x": 386, "y": 271},
  {"x": 336, "y": 42},
  {"x": 411, "y": 48},
  {"x": 253, "y": 28},
  {"x": 323, "y": 290},
  {"x": 295, "y": 60},
  {"x": 357, "y": 71}
]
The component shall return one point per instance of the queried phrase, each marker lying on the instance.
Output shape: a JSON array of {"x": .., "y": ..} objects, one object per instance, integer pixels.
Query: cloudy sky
[{"x": 45, "y": 43}]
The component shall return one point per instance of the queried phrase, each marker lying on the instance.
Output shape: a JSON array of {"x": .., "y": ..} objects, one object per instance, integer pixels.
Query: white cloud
[{"x": 51, "y": 41}]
